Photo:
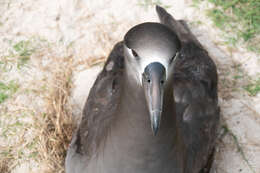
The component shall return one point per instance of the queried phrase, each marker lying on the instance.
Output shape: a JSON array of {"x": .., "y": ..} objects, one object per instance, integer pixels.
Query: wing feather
[
  {"x": 195, "y": 93},
  {"x": 101, "y": 105}
]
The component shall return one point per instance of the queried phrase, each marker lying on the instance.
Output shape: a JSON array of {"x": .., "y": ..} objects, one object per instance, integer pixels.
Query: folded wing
[{"x": 195, "y": 93}]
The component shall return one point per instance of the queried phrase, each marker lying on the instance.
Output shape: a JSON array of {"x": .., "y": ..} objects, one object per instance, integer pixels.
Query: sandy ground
[{"x": 89, "y": 29}]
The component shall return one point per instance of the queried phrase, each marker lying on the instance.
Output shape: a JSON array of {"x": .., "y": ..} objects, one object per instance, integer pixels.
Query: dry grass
[
  {"x": 51, "y": 127},
  {"x": 57, "y": 124},
  {"x": 4, "y": 165}
]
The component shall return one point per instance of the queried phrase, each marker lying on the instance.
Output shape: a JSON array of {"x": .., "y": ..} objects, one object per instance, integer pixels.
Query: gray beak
[{"x": 153, "y": 80}]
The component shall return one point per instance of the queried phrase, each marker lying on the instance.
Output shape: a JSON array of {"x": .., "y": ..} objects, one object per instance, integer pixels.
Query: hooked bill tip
[{"x": 155, "y": 121}]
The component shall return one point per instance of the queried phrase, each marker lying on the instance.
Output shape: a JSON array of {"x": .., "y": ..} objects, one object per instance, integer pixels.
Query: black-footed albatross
[{"x": 153, "y": 108}]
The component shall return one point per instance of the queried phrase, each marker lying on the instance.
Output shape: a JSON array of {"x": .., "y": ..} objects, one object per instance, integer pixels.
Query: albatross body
[{"x": 153, "y": 108}]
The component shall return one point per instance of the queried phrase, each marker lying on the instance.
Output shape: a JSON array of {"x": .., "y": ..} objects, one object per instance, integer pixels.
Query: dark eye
[
  {"x": 162, "y": 81},
  {"x": 134, "y": 53}
]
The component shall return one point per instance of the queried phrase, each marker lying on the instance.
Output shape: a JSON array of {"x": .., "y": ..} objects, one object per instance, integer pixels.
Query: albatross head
[{"x": 150, "y": 49}]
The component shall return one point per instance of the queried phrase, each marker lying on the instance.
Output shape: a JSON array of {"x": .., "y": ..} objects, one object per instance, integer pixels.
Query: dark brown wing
[
  {"x": 195, "y": 93},
  {"x": 101, "y": 105}
]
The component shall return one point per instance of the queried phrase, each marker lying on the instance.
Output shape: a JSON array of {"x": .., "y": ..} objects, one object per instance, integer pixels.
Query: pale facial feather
[{"x": 144, "y": 61}]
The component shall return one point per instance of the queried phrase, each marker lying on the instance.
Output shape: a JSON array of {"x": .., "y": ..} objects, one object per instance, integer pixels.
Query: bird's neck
[{"x": 131, "y": 139}]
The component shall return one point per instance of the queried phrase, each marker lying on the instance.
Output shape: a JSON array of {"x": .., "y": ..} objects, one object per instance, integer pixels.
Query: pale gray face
[
  {"x": 149, "y": 50},
  {"x": 150, "y": 42}
]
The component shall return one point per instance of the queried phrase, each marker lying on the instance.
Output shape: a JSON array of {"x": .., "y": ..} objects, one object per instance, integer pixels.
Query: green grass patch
[
  {"x": 7, "y": 89},
  {"x": 239, "y": 19},
  {"x": 24, "y": 50},
  {"x": 253, "y": 88},
  {"x": 19, "y": 54},
  {"x": 219, "y": 18}
]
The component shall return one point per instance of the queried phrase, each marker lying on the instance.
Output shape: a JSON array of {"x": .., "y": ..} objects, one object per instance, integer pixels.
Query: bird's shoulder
[
  {"x": 195, "y": 84},
  {"x": 195, "y": 74},
  {"x": 102, "y": 102}
]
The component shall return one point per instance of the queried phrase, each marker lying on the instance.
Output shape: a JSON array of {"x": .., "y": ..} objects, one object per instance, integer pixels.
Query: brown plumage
[{"x": 114, "y": 135}]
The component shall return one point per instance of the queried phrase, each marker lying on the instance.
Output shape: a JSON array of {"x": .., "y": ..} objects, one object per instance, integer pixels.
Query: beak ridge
[
  {"x": 155, "y": 121},
  {"x": 153, "y": 84}
]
